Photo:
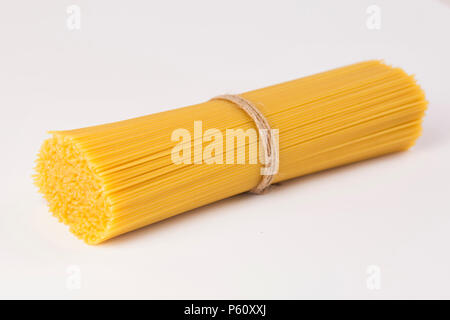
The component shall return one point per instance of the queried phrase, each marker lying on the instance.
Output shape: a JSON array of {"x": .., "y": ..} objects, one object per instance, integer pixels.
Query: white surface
[{"x": 312, "y": 237}]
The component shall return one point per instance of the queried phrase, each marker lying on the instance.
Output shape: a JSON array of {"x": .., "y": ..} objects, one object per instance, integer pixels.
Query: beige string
[{"x": 265, "y": 134}]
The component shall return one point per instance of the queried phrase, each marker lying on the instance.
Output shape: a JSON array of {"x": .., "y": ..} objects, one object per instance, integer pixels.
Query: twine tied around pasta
[{"x": 265, "y": 135}]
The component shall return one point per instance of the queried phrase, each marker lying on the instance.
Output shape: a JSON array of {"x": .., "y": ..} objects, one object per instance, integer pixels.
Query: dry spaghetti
[{"x": 109, "y": 179}]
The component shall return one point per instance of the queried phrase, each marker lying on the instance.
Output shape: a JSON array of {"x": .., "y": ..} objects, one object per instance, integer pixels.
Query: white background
[{"x": 312, "y": 237}]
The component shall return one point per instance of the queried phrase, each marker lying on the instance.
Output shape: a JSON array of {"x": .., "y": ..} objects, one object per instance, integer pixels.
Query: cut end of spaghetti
[{"x": 73, "y": 191}]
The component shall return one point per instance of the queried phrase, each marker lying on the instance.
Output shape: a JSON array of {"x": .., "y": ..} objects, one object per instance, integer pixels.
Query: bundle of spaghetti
[{"x": 105, "y": 180}]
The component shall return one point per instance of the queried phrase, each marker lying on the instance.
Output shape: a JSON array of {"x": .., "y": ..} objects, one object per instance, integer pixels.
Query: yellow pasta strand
[{"x": 109, "y": 179}]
